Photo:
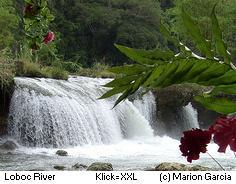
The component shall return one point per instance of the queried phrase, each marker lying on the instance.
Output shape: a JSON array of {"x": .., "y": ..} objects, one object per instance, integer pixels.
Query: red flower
[
  {"x": 224, "y": 131},
  {"x": 194, "y": 142},
  {"x": 30, "y": 10},
  {"x": 49, "y": 37}
]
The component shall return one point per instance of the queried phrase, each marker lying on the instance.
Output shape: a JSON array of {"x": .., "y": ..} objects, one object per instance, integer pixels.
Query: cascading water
[
  {"x": 147, "y": 107},
  {"x": 53, "y": 113},
  {"x": 190, "y": 117},
  {"x": 46, "y": 114}
]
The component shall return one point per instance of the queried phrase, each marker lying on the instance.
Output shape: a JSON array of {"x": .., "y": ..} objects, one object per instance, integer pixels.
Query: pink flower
[
  {"x": 224, "y": 131},
  {"x": 194, "y": 142},
  {"x": 50, "y": 36}
]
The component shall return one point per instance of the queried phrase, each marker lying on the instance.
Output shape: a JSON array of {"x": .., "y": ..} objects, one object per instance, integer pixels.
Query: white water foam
[
  {"x": 56, "y": 113},
  {"x": 190, "y": 117}
]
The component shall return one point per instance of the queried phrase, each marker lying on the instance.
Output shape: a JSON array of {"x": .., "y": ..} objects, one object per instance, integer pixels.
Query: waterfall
[
  {"x": 57, "y": 113},
  {"x": 190, "y": 117},
  {"x": 147, "y": 106}
]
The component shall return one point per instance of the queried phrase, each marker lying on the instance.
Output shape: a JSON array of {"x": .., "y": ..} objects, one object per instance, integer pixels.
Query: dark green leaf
[
  {"x": 128, "y": 69},
  {"x": 214, "y": 70},
  {"x": 147, "y": 57},
  {"x": 123, "y": 96},
  {"x": 195, "y": 33},
  {"x": 228, "y": 78},
  {"x": 168, "y": 36},
  {"x": 220, "y": 105},
  {"x": 122, "y": 81},
  {"x": 221, "y": 47},
  {"x": 114, "y": 91},
  {"x": 226, "y": 89},
  {"x": 156, "y": 72}
]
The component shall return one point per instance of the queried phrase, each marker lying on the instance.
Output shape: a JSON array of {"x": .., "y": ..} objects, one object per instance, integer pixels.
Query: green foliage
[
  {"x": 37, "y": 17},
  {"x": 97, "y": 71},
  {"x": 221, "y": 105},
  {"x": 55, "y": 73},
  {"x": 158, "y": 71},
  {"x": 47, "y": 54},
  {"x": 8, "y": 24},
  {"x": 30, "y": 69},
  {"x": 90, "y": 28},
  {"x": 195, "y": 33},
  {"x": 200, "y": 11},
  {"x": 7, "y": 71},
  {"x": 71, "y": 66},
  {"x": 221, "y": 47},
  {"x": 146, "y": 57}
]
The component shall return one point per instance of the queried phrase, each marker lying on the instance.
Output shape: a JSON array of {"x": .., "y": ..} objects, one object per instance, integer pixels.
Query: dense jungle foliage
[
  {"x": 85, "y": 33},
  {"x": 86, "y": 30}
]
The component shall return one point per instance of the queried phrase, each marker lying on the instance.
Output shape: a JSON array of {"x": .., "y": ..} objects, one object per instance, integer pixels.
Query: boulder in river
[
  {"x": 166, "y": 166},
  {"x": 8, "y": 145},
  {"x": 62, "y": 153},
  {"x": 79, "y": 166},
  {"x": 59, "y": 167},
  {"x": 100, "y": 166}
]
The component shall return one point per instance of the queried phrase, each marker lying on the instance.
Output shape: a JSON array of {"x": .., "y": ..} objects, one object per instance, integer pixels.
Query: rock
[
  {"x": 80, "y": 166},
  {"x": 99, "y": 166},
  {"x": 149, "y": 169},
  {"x": 170, "y": 102},
  {"x": 59, "y": 167},
  {"x": 205, "y": 117},
  {"x": 62, "y": 153},
  {"x": 166, "y": 166},
  {"x": 176, "y": 96},
  {"x": 9, "y": 145},
  {"x": 200, "y": 168},
  {"x": 3, "y": 125}
]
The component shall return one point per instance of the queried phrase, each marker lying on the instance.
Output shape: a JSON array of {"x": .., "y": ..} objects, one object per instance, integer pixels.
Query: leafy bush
[{"x": 71, "y": 66}]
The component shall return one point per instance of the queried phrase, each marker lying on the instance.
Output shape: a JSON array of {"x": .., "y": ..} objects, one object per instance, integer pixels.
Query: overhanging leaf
[
  {"x": 195, "y": 33},
  {"x": 221, "y": 47},
  {"x": 132, "y": 88},
  {"x": 220, "y": 105},
  {"x": 123, "y": 96},
  {"x": 226, "y": 89},
  {"x": 146, "y": 57},
  {"x": 114, "y": 91},
  {"x": 128, "y": 69},
  {"x": 168, "y": 36},
  {"x": 122, "y": 81}
]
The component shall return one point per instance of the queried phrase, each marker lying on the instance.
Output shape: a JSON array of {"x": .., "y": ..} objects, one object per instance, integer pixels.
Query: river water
[{"x": 47, "y": 115}]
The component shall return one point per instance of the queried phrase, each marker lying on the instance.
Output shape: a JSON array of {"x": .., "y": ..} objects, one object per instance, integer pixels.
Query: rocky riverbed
[{"x": 142, "y": 155}]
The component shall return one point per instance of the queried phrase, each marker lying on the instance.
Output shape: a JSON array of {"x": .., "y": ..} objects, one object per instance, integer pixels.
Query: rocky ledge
[{"x": 172, "y": 166}]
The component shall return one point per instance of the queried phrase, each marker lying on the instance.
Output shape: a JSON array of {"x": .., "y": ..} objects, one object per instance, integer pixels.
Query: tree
[
  {"x": 8, "y": 24},
  {"x": 90, "y": 28}
]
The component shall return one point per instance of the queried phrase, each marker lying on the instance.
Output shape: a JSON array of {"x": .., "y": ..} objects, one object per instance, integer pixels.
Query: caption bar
[{"x": 135, "y": 177}]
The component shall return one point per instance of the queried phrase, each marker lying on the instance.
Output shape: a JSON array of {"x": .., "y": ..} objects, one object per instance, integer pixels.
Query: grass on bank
[
  {"x": 7, "y": 73},
  {"x": 98, "y": 70},
  {"x": 61, "y": 70},
  {"x": 30, "y": 69}
]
